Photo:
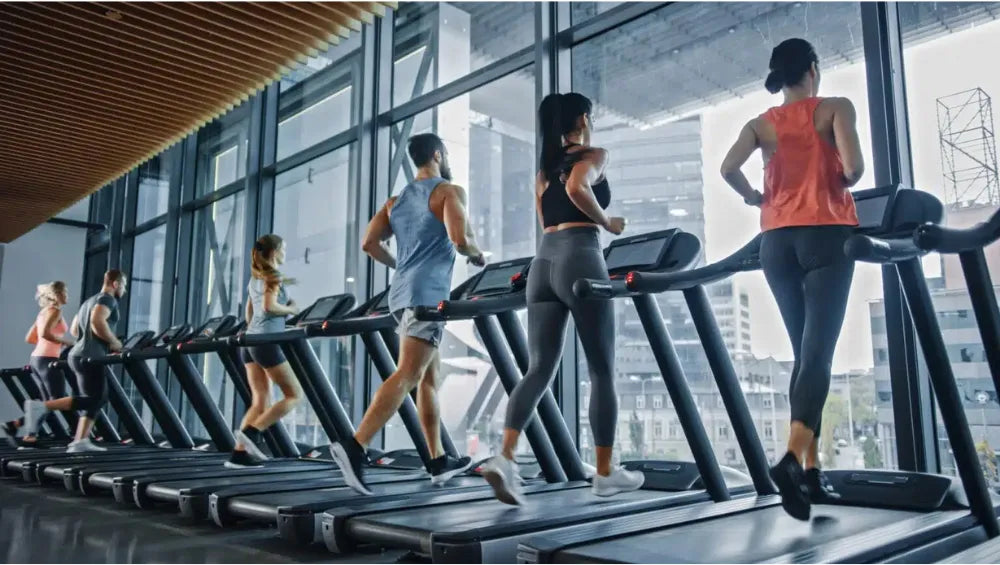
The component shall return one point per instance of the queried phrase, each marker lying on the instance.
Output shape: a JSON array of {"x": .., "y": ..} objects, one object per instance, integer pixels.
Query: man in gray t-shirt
[{"x": 94, "y": 327}]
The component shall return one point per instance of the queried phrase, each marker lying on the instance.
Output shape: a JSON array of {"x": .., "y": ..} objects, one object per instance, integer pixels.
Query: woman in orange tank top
[
  {"x": 48, "y": 335},
  {"x": 812, "y": 157}
]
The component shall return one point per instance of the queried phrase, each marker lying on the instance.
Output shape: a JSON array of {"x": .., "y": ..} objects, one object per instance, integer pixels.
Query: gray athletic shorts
[{"x": 410, "y": 326}]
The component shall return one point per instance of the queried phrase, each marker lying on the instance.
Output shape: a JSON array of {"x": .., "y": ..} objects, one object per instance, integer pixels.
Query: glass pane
[
  {"x": 101, "y": 211},
  {"x": 217, "y": 262},
  {"x": 314, "y": 211},
  {"x": 439, "y": 42},
  {"x": 952, "y": 139},
  {"x": 490, "y": 136},
  {"x": 154, "y": 189},
  {"x": 145, "y": 292},
  {"x": 666, "y": 148},
  {"x": 222, "y": 151},
  {"x": 317, "y": 100},
  {"x": 583, "y": 11}
]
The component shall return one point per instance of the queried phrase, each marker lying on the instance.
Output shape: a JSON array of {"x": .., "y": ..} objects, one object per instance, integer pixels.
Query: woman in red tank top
[{"x": 812, "y": 157}]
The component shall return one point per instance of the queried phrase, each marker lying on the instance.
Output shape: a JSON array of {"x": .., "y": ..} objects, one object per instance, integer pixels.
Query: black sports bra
[{"x": 557, "y": 208}]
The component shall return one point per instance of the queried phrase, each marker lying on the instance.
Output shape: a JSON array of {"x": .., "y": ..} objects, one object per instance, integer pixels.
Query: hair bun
[{"x": 775, "y": 81}]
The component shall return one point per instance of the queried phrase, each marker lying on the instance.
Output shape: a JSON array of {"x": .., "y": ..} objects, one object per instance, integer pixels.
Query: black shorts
[{"x": 267, "y": 356}]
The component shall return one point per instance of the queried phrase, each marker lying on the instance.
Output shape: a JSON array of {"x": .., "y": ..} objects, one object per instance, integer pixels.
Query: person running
[
  {"x": 813, "y": 157},
  {"x": 267, "y": 307},
  {"x": 48, "y": 334},
  {"x": 429, "y": 220},
  {"x": 94, "y": 325},
  {"x": 571, "y": 194}
]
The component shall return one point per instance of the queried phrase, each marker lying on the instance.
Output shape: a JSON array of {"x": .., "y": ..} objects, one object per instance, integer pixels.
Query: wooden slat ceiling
[{"x": 89, "y": 90}]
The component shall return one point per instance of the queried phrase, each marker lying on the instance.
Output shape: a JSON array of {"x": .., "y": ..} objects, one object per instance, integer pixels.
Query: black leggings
[
  {"x": 93, "y": 385},
  {"x": 51, "y": 381},
  {"x": 564, "y": 257},
  {"x": 810, "y": 277}
]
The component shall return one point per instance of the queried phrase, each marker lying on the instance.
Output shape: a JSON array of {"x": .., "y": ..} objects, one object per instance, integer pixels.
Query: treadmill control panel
[
  {"x": 643, "y": 252},
  {"x": 498, "y": 278}
]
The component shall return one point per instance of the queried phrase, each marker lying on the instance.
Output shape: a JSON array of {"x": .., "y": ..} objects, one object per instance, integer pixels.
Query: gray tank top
[
  {"x": 425, "y": 257},
  {"x": 89, "y": 345},
  {"x": 263, "y": 321}
]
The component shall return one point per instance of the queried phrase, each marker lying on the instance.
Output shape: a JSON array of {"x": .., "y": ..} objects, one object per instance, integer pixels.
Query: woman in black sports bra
[{"x": 571, "y": 195}]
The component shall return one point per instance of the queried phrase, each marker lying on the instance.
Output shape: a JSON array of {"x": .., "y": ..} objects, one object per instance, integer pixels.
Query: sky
[{"x": 943, "y": 66}]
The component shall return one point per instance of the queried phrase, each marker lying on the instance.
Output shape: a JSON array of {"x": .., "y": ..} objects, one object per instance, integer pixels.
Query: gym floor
[{"x": 45, "y": 525}]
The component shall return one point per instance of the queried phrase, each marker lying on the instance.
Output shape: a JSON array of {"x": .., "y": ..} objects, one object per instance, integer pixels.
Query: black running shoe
[
  {"x": 350, "y": 457},
  {"x": 820, "y": 489},
  {"x": 243, "y": 460},
  {"x": 787, "y": 474},
  {"x": 443, "y": 468}
]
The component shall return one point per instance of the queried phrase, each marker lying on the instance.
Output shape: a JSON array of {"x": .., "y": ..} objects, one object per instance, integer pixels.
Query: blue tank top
[{"x": 425, "y": 257}]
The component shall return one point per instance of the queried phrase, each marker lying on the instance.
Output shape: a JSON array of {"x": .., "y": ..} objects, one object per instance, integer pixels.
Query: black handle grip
[
  {"x": 877, "y": 250},
  {"x": 933, "y": 237},
  {"x": 597, "y": 288}
]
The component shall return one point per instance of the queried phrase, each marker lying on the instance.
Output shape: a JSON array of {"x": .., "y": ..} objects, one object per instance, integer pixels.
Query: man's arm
[
  {"x": 379, "y": 230},
  {"x": 456, "y": 222},
  {"x": 99, "y": 326}
]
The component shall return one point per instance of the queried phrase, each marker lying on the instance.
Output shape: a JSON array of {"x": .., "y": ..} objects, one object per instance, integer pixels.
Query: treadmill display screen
[
  {"x": 871, "y": 212},
  {"x": 383, "y": 303},
  {"x": 322, "y": 309},
  {"x": 640, "y": 254},
  {"x": 211, "y": 327},
  {"x": 493, "y": 280},
  {"x": 134, "y": 340},
  {"x": 171, "y": 334}
]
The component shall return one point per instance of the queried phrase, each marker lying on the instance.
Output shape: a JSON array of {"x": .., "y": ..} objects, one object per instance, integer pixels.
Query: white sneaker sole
[
  {"x": 339, "y": 455},
  {"x": 611, "y": 491},
  {"x": 251, "y": 447},
  {"x": 501, "y": 489},
  {"x": 447, "y": 476},
  {"x": 231, "y": 465}
]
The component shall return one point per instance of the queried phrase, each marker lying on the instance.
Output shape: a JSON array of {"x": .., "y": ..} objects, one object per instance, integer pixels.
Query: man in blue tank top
[{"x": 429, "y": 221}]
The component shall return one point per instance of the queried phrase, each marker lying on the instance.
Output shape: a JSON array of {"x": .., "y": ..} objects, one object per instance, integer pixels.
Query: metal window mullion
[
  {"x": 913, "y": 404},
  {"x": 174, "y": 158},
  {"x": 117, "y": 224},
  {"x": 188, "y": 159}
]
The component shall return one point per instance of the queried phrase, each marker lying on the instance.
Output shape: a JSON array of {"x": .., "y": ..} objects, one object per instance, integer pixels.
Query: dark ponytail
[
  {"x": 557, "y": 116},
  {"x": 790, "y": 61}
]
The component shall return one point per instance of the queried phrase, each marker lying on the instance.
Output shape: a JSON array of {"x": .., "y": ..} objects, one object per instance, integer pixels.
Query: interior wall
[{"x": 48, "y": 252}]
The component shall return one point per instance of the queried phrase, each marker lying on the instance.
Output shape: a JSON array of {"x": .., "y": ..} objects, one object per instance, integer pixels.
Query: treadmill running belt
[
  {"x": 267, "y": 505},
  {"x": 745, "y": 537}
]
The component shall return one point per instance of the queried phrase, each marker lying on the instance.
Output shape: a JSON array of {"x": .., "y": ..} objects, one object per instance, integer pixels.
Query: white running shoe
[
  {"x": 251, "y": 447},
  {"x": 83, "y": 446},
  {"x": 618, "y": 481},
  {"x": 501, "y": 473},
  {"x": 34, "y": 411}
]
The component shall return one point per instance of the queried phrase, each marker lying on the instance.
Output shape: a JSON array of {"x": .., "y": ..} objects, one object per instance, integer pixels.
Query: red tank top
[{"x": 804, "y": 179}]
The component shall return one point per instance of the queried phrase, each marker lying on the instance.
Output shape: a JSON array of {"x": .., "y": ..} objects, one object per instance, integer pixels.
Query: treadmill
[
  {"x": 189, "y": 488},
  {"x": 30, "y": 464},
  {"x": 968, "y": 244},
  {"x": 465, "y": 529},
  {"x": 179, "y": 447},
  {"x": 53, "y": 431},
  {"x": 882, "y": 516},
  {"x": 295, "y": 506},
  {"x": 117, "y": 477}
]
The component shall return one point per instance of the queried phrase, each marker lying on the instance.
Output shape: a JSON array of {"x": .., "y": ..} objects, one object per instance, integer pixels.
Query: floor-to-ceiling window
[
  {"x": 668, "y": 113},
  {"x": 952, "y": 132}
]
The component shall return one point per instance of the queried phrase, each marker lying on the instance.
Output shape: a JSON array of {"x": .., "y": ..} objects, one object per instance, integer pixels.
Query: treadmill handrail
[
  {"x": 343, "y": 327},
  {"x": 286, "y": 336},
  {"x": 871, "y": 249},
  {"x": 475, "y": 307},
  {"x": 934, "y": 237}
]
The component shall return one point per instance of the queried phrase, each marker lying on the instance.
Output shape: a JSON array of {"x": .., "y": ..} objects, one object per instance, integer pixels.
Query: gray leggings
[
  {"x": 810, "y": 277},
  {"x": 564, "y": 257}
]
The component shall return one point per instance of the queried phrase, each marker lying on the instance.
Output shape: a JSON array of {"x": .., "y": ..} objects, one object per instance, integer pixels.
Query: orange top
[
  {"x": 44, "y": 347},
  {"x": 804, "y": 179}
]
